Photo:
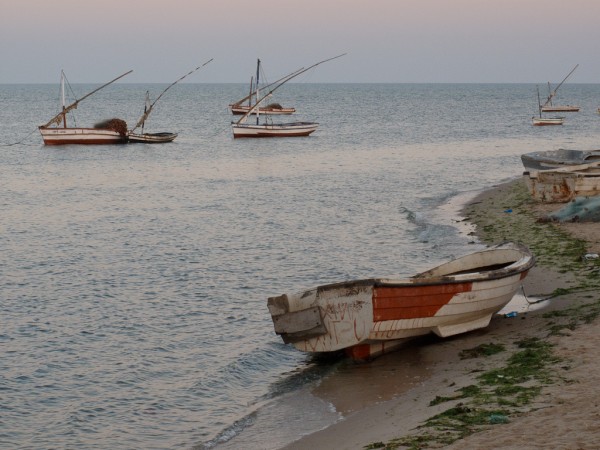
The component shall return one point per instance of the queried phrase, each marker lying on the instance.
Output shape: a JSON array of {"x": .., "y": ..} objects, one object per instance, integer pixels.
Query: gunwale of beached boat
[{"x": 372, "y": 316}]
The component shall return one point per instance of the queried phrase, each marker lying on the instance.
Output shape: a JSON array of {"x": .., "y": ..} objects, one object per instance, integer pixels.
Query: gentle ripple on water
[{"x": 133, "y": 279}]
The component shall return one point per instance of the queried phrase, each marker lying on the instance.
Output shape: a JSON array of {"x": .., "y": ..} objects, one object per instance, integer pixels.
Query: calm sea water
[{"x": 134, "y": 278}]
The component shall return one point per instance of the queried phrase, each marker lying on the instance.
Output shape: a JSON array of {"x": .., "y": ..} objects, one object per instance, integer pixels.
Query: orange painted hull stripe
[{"x": 412, "y": 302}]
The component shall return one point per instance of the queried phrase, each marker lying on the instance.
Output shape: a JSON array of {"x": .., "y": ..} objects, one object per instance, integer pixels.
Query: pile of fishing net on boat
[
  {"x": 118, "y": 125},
  {"x": 274, "y": 106},
  {"x": 582, "y": 209}
]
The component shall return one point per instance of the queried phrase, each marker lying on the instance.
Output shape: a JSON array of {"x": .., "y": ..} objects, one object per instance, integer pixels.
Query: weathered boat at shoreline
[
  {"x": 551, "y": 159},
  {"x": 366, "y": 318},
  {"x": 564, "y": 183}
]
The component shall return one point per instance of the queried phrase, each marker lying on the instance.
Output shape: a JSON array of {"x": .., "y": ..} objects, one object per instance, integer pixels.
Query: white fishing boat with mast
[
  {"x": 549, "y": 107},
  {"x": 161, "y": 137},
  {"x": 544, "y": 121},
  {"x": 241, "y": 129},
  {"x": 113, "y": 131}
]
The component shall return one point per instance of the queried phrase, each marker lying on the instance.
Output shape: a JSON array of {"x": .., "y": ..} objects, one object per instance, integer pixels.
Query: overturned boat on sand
[
  {"x": 369, "y": 317},
  {"x": 551, "y": 159}
]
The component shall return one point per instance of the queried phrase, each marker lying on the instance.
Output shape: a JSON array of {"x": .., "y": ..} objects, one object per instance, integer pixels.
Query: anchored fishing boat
[
  {"x": 241, "y": 129},
  {"x": 549, "y": 107},
  {"x": 366, "y": 318},
  {"x": 238, "y": 108},
  {"x": 565, "y": 183},
  {"x": 112, "y": 131},
  {"x": 543, "y": 121},
  {"x": 156, "y": 138}
]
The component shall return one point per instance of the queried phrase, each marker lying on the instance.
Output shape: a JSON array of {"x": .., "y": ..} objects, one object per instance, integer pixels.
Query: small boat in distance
[
  {"x": 564, "y": 184},
  {"x": 544, "y": 121},
  {"x": 113, "y": 131},
  {"x": 551, "y": 159},
  {"x": 156, "y": 138},
  {"x": 549, "y": 107},
  {"x": 366, "y": 318},
  {"x": 272, "y": 108},
  {"x": 241, "y": 129}
]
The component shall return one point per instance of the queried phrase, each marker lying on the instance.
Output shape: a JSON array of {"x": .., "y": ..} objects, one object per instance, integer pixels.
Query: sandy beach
[{"x": 562, "y": 410}]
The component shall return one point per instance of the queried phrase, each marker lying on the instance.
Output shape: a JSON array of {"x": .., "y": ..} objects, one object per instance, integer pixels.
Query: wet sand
[{"x": 382, "y": 405}]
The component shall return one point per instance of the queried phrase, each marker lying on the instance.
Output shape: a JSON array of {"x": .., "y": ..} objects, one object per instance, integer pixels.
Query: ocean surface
[{"x": 134, "y": 278}]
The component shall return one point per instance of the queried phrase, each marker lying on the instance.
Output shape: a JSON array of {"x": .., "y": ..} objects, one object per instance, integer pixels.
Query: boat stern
[{"x": 324, "y": 319}]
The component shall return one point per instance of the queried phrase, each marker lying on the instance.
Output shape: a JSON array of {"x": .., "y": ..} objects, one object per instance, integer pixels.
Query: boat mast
[
  {"x": 539, "y": 102},
  {"x": 257, "y": 89},
  {"x": 250, "y": 94},
  {"x": 62, "y": 96},
  {"x": 63, "y": 114}
]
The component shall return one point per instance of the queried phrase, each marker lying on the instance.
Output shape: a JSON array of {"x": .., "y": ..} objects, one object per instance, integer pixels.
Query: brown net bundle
[
  {"x": 118, "y": 125},
  {"x": 274, "y": 106}
]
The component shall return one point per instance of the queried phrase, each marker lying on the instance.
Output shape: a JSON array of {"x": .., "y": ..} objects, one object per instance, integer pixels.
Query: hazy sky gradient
[{"x": 386, "y": 40}]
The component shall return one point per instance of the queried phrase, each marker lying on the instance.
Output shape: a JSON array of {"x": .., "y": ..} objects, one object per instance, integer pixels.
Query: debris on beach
[{"x": 581, "y": 209}]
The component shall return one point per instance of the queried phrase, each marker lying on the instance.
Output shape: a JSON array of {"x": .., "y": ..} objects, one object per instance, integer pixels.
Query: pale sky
[{"x": 388, "y": 41}]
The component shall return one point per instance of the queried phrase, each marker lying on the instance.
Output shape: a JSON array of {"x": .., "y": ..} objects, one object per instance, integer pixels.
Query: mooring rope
[{"x": 21, "y": 141}]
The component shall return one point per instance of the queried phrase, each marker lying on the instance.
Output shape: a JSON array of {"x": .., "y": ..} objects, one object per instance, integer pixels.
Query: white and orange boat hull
[
  {"x": 369, "y": 317},
  {"x": 81, "y": 136}
]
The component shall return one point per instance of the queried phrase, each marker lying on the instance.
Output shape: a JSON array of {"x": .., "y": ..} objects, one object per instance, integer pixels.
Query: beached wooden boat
[
  {"x": 369, "y": 317},
  {"x": 242, "y": 129},
  {"x": 551, "y": 159},
  {"x": 112, "y": 131},
  {"x": 565, "y": 183},
  {"x": 161, "y": 137},
  {"x": 549, "y": 107}
]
